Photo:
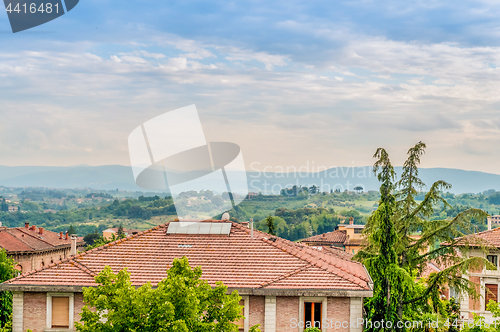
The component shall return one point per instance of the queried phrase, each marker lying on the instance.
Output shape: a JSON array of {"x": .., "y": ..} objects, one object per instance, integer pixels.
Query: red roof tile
[
  {"x": 337, "y": 237},
  {"x": 486, "y": 238},
  {"x": 237, "y": 260},
  {"x": 24, "y": 239}
]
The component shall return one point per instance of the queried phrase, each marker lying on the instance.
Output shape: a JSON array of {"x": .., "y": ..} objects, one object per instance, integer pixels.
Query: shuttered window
[
  {"x": 60, "y": 312},
  {"x": 491, "y": 293},
  {"x": 241, "y": 322}
]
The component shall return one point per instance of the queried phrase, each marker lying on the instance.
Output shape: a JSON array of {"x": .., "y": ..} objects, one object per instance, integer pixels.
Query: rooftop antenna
[{"x": 251, "y": 227}]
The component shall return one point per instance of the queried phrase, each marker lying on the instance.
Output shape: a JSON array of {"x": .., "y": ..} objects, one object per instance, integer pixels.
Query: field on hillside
[{"x": 296, "y": 216}]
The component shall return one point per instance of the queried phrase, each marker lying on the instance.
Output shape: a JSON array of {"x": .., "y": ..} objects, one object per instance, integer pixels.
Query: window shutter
[
  {"x": 491, "y": 293},
  {"x": 241, "y": 322},
  {"x": 60, "y": 312}
]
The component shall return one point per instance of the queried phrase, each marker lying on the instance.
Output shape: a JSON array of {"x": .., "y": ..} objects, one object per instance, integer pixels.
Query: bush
[{"x": 312, "y": 329}]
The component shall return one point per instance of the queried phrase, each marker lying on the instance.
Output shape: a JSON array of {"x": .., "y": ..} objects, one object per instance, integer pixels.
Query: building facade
[
  {"x": 487, "y": 280},
  {"x": 284, "y": 286}
]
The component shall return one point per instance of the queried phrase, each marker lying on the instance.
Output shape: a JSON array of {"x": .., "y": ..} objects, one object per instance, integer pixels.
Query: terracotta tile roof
[
  {"x": 22, "y": 239},
  {"x": 261, "y": 262},
  {"x": 335, "y": 237},
  {"x": 490, "y": 238},
  {"x": 339, "y": 252}
]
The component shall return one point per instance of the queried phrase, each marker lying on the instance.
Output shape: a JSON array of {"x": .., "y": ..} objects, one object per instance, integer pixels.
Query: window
[
  {"x": 60, "y": 310},
  {"x": 493, "y": 259},
  {"x": 312, "y": 314},
  {"x": 491, "y": 293},
  {"x": 358, "y": 230}
]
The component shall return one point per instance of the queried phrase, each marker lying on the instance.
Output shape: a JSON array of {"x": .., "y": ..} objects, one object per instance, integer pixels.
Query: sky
[{"x": 293, "y": 83}]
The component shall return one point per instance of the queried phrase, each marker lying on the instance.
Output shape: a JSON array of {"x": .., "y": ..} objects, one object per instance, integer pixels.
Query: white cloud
[
  {"x": 268, "y": 60},
  {"x": 82, "y": 106}
]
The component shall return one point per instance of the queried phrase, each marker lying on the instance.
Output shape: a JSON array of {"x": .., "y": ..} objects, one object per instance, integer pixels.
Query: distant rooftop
[{"x": 32, "y": 238}]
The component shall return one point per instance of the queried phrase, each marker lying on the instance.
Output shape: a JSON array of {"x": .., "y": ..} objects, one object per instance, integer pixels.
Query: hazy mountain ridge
[{"x": 110, "y": 177}]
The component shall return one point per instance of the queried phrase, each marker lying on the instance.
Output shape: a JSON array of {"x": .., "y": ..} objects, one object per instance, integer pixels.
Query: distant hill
[{"x": 112, "y": 177}]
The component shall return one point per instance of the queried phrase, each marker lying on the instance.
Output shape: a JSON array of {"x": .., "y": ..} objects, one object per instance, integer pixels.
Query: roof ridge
[
  {"x": 288, "y": 242},
  {"x": 285, "y": 276},
  {"x": 83, "y": 268},
  {"x": 343, "y": 274}
]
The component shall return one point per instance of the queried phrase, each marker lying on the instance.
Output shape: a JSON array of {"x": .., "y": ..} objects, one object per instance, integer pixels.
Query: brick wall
[
  {"x": 78, "y": 306},
  {"x": 34, "y": 261},
  {"x": 338, "y": 310},
  {"x": 475, "y": 304},
  {"x": 35, "y": 311},
  {"x": 257, "y": 304},
  {"x": 287, "y": 308}
]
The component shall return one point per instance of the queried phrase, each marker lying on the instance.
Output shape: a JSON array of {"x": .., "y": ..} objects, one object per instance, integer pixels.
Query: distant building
[
  {"x": 108, "y": 233},
  {"x": 347, "y": 237},
  {"x": 34, "y": 247},
  {"x": 494, "y": 219},
  {"x": 13, "y": 208}
]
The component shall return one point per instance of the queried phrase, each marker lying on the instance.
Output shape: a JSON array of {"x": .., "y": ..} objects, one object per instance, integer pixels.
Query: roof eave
[{"x": 241, "y": 291}]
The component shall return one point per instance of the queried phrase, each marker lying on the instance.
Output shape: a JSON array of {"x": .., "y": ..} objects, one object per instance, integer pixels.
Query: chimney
[
  {"x": 33, "y": 228},
  {"x": 73, "y": 244},
  {"x": 40, "y": 230},
  {"x": 67, "y": 236},
  {"x": 27, "y": 225},
  {"x": 60, "y": 235},
  {"x": 251, "y": 227},
  {"x": 489, "y": 223},
  {"x": 351, "y": 221}
]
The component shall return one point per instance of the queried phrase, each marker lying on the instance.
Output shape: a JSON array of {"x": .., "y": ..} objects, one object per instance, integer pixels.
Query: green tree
[
  {"x": 358, "y": 189},
  {"x": 270, "y": 225},
  {"x": 4, "y": 207},
  {"x": 91, "y": 238},
  {"x": 7, "y": 271},
  {"x": 395, "y": 259},
  {"x": 182, "y": 302},
  {"x": 71, "y": 230},
  {"x": 120, "y": 232},
  {"x": 313, "y": 189}
]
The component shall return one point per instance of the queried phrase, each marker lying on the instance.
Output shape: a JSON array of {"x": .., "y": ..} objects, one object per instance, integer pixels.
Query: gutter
[{"x": 370, "y": 282}]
